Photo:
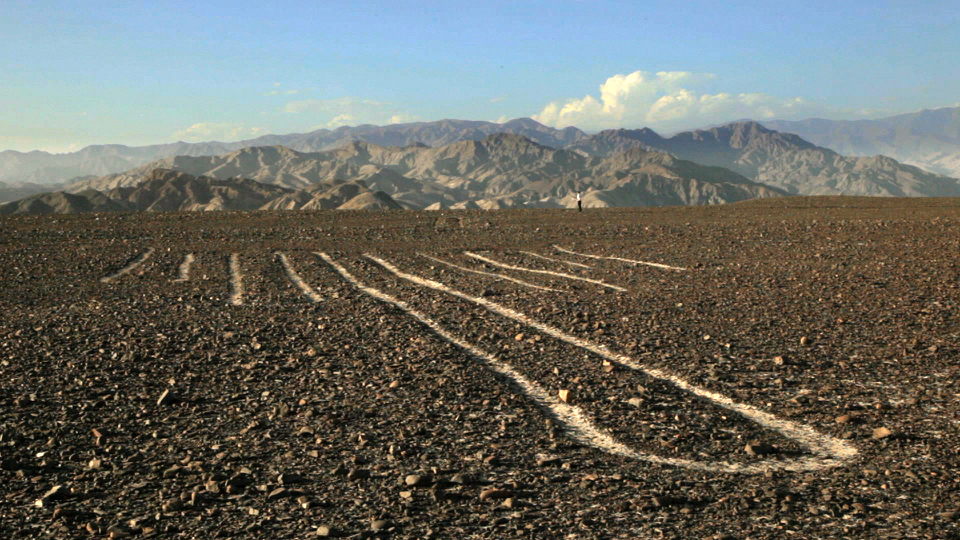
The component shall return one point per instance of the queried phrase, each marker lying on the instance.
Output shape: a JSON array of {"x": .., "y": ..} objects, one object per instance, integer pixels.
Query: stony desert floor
[{"x": 784, "y": 368}]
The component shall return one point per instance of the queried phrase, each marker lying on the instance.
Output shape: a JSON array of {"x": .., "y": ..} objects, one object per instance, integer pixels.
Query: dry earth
[{"x": 791, "y": 373}]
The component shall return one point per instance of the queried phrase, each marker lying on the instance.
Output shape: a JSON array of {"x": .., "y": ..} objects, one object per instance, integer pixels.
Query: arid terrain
[{"x": 779, "y": 368}]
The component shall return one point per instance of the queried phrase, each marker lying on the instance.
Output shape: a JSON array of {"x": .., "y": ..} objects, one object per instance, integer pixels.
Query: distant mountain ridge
[
  {"x": 784, "y": 161},
  {"x": 44, "y": 168},
  {"x": 500, "y": 171},
  {"x": 929, "y": 139},
  {"x": 164, "y": 190}
]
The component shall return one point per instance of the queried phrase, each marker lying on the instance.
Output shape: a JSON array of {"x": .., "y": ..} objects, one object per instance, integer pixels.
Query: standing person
[{"x": 579, "y": 202}]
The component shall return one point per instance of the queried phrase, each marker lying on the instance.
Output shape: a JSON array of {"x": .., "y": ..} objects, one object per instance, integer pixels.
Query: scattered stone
[
  {"x": 56, "y": 493},
  {"x": 564, "y": 395},
  {"x": 166, "y": 398},
  {"x": 547, "y": 461},
  {"x": 495, "y": 493},
  {"x": 286, "y": 479},
  {"x": 326, "y": 531},
  {"x": 280, "y": 493},
  {"x": 881, "y": 433},
  {"x": 358, "y": 474},
  {"x": 417, "y": 480},
  {"x": 758, "y": 449},
  {"x": 172, "y": 505}
]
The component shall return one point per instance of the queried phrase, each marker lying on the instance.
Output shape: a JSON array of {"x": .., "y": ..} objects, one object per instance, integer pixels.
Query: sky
[{"x": 76, "y": 73}]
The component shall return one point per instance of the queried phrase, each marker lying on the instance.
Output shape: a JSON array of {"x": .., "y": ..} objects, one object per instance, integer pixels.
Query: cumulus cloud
[
  {"x": 346, "y": 111},
  {"x": 667, "y": 100},
  {"x": 218, "y": 131}
]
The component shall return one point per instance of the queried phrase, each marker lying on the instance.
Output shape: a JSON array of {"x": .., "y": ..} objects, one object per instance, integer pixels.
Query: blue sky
[{"x": 98, "y": 72}]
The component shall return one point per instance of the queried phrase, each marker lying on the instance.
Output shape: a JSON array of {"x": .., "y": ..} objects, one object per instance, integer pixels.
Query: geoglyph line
[
  {"x": 295, "y": 278},
  {"x": 828, "y": 451},
  {"x": 544, "y": 257},
  {"x": 658, "y": 265},
  {"x": 236, "y": 281},
  {"x": 184, "y": 272},
  {"x": 130, "y": 267},
  {"x": 491, "y": 274},
  {"x": 548, "y": 272}
]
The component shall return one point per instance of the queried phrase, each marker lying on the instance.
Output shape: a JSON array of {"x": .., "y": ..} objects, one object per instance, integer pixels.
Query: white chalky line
[
  {"x": 548, "y": 272},
  {"x": 295, "y": 278},
  {"x": 130, "y": 267},
  {"x": 658, "y": 265},
  {"x": 829, "y": 451},
  {"x": 491, "y": 274},
  {"x": 236, "y": 281},
  {"x": 571, "y": 263},
  {"x": 185, "y": 268}
]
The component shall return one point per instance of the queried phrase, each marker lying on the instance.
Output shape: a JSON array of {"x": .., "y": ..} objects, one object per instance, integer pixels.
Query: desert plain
[{"x": 780, "y": 368}]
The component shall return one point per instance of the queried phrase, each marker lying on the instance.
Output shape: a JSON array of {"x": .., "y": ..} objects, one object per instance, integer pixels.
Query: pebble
[
  {"x": 495, "y": 493},
  {"x": 758, "y": 449},
  {"x": 881, "y": 433},
  {"x": 417, "y": 480},
  {"x": 166, "y": 398},
  {"x": 286, "y": 479},
  {"x": 56, "y": 493}
]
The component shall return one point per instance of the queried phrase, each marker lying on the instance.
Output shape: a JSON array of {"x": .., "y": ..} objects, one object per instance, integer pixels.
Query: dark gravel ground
[{"x": 143, "y": 406}]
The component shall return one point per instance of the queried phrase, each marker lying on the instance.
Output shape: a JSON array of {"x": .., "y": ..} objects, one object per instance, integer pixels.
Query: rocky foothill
[{"x": 786, "y": 368}]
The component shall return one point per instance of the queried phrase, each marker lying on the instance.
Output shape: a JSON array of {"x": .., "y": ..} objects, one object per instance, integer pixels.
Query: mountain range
[
  {"x": 929, "y": 139},
  {"x": 164, "y": 190},
  {"x": 456, "y": 163},
  {"x": 500, "y": 171}
]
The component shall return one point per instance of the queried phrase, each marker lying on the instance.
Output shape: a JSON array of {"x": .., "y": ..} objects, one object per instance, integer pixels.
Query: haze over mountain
[
  {"x": 44, "y": 168},
  {"x": 929, "y": 139},
  {"x": 782, "y": 160}
]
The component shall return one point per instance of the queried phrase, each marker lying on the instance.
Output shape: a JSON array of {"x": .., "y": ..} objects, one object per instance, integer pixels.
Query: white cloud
[
  {"x": 218, "y": 131},
  {"x": 668, "y": 100},
  {"x": 348, "y": 111}
]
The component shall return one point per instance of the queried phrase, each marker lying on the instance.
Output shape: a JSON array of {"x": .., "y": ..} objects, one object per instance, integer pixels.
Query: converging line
[
  {"x": 295, "y": 278},
  {"x": 130, "y": 267},
  {"x": 548, "y": 272},
  {"x": 236, "y": 281},
  {"x": 658, "y": 265},
  {"x": 491, "y": 274},
  {"x": 829, "y": 451},
  {"x": 184, "y": 272},
  {"x": 571, "y": 263}
]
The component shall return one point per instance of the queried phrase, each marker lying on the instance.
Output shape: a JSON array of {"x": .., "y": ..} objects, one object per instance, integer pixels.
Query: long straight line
[
  {"x": 184, "y": 270},
  {"x": 295, "y": 278},
  {"x": 130, "y": 267},
  {"x": 544, "y": 257},
  {"x": 547, "y": 272},
  {"x": 828, "y": 451},
  {"x": 647, "y": 263},
  {"x": 236, "y": 281},
  {"x": 491, "y": 274}
]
